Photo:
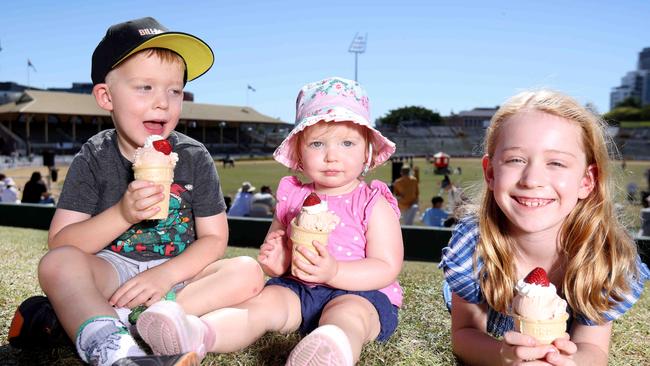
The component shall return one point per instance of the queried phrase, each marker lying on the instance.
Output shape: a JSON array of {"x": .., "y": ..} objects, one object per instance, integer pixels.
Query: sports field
[{"x": 269, "y": 172}]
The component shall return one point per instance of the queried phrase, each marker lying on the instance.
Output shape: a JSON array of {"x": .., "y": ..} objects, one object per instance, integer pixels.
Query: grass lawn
[{"x": 422, "y": 337}]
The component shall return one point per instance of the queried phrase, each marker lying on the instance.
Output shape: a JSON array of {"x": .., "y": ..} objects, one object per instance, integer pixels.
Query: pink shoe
[
  {"x": 326, "y": 346},
  {"x": 169, "y": 331}
]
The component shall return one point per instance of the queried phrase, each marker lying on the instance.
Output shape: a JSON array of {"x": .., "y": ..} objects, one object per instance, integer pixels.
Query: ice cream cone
[
  {"x": 545, "y": 331},
  {"x": 163, "y": 175},
  {"x": 305, "y": 237}
]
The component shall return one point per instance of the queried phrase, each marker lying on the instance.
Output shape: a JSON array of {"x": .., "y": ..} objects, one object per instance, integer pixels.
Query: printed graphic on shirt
[{"x": 156, "y": 239}]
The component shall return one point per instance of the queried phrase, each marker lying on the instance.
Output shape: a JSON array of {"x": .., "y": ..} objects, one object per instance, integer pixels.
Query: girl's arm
[
  {"x": 592, "y": 343},
  {"x": 275, "y": 255},
  {"x": 384, "y": 254},
  {"x": 471, "y": 343},
  {"x": 469, "y": 339}
]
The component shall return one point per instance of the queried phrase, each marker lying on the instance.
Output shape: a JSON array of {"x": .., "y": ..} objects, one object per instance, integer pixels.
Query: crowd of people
[
  {"x": 34, "y": 191},
  {"x": 247, "y": 203},
  {"x": 168, "y": 282}
]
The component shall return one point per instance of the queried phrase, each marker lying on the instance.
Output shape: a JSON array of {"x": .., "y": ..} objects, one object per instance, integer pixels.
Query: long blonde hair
[{"x": 600, "y": 255}]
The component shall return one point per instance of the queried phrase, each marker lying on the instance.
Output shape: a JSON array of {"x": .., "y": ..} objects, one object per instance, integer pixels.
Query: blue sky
[{"x": 446, "y": 56}]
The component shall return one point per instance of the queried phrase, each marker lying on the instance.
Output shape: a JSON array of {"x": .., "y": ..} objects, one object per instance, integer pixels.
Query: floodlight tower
[{"x": 357, "y": 46}]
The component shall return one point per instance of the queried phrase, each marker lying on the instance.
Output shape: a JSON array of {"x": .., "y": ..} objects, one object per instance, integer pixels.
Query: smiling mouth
[{"x": 533, "y": 202}]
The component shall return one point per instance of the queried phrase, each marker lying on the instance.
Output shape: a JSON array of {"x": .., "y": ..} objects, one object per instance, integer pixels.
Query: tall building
[
  {"x": 644, "y": 59},
  {"x": 635, "y": 84}
]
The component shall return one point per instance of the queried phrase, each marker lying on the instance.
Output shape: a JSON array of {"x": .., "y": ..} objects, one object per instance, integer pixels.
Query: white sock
[
  {"x": 103, "y": 340},
  {"x": 123, "y": 314}
]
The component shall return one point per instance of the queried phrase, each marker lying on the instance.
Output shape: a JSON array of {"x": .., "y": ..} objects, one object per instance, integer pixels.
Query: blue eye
[
  {"x": 316, "y": 144},
  {"x": 348, "y": 143}
]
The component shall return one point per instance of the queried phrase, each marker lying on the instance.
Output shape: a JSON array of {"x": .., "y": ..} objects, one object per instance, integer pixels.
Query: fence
[{"x": 420, "y": 243}]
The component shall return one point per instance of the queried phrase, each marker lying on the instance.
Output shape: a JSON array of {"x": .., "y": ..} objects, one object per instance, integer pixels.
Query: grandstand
[
  {"x": 633, "y": 143},
  {"x": 421, "y": 140},
  {"x": 62, "y": 122}
]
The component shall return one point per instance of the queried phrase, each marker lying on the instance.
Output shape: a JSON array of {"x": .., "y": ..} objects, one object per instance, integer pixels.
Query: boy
[
  {"x": 435, "y": 215},
  {"x": 104, "y": 258}
]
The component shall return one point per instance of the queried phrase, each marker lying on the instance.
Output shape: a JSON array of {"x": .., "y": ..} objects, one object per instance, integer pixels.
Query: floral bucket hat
[{"x": 332, "y": 100}]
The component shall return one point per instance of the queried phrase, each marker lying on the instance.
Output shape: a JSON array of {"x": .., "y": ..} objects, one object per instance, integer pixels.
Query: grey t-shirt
[{"x": 99, "y": 175}]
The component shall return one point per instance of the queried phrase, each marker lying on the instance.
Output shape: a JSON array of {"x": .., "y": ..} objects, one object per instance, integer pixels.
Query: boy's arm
[
  {"x": 151, "y": 285},
  {"x": 384, "y": 254},
  {"x": 209, "y": 246},
  {"x": 92, "y": 233},
  {"x": 78, "y": 229}
]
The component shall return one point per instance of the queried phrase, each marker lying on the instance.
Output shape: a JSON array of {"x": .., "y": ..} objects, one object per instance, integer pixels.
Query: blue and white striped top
[{"x": 457, "y": 264}]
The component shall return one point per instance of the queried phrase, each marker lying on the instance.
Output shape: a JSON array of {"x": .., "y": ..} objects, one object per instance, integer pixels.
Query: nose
[
  {"x": 331, "y": 154},
  {"x": 533, "y": 175},
  {"x": 161, "y": 100}
]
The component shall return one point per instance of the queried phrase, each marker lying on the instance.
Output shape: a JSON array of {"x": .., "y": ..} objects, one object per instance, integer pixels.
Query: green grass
[
  {"x": 633, "y": 124},
  {"x": 422, "y": 337}
]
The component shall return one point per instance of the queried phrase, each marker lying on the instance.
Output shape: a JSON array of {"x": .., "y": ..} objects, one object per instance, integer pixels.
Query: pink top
[{"x": 348, "y": 240}]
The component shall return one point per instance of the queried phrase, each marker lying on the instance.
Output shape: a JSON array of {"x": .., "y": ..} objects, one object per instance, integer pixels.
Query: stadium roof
[
  {"x": 479, "y": 112},
  {"x": 74, "y": 104}
]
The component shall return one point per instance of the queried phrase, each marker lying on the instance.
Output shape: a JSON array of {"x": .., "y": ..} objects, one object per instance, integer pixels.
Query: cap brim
[{"x": 197, "y": 54}]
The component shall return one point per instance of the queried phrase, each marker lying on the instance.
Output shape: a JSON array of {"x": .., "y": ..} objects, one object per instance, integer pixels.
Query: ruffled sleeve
[
  {"x": 621, "y": 307},
  {"x": 458, "y": 259},
  {"x": 377, "y": 189},
  {"x": 287, "y": 188}
]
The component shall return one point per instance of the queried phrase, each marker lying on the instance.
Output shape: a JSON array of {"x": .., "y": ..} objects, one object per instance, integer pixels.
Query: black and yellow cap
[{"x": 124, "y": 39}]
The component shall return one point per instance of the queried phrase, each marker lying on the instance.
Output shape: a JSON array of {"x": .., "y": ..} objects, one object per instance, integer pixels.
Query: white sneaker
[
  {"x": 327, "y": 345},
  {"x": 169, "y": 331}
]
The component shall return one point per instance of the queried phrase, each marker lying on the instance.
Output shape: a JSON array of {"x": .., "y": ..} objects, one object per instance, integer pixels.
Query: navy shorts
[{"x": 314, "y": 299}]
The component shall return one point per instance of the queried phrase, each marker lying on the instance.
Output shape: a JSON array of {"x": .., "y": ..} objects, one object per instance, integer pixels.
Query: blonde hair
[
  {"x": 165, "y": 55},
  {"x": 600, "y": 256}
]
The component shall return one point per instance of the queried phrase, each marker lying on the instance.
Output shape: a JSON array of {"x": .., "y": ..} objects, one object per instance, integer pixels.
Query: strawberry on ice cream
[
  {"x": 315, "y": 216},
  {"x": 313, "y": 223},
  {"x": 156, "y": 151},
  {"x": 155, "y": 162},
  {"x": 538, "y": 310}
]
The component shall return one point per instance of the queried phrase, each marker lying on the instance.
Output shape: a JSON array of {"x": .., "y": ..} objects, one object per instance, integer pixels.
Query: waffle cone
[
  {"x": 163, "y": 175},
  {"x": 305, "y": 237},
  {"x": 545, "y": 331}
]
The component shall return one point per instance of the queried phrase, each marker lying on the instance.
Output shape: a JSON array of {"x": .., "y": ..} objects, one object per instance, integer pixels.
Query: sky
[{"x": 447, "y": 56}]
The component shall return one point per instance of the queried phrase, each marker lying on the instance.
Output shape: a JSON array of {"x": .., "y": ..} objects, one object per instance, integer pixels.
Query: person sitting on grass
[
  {"x": 241, "y": 205},
  {"x": 34, "y": 189},
  {"x": 435, "y": 215},
  {"x": 105, "y": 257},
  {"x": 345, "y": 294}
]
